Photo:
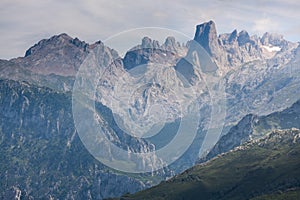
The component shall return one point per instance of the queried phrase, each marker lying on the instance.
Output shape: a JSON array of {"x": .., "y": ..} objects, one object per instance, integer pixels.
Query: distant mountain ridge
[
  {"x": 228, "y": 49},
  {"x": 236, "y": 48},
  {"x": 253, "y": 127}
]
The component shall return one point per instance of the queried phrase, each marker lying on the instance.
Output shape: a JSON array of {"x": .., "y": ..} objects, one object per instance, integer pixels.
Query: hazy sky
[{"x": 23, "y": 23}]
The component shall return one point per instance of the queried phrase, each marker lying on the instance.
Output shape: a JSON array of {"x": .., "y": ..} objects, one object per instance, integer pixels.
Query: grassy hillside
[
  {"x": 293, "y": 194},
  {"x": 254, "y": 127},
  {"x": 257, "y": 168}
]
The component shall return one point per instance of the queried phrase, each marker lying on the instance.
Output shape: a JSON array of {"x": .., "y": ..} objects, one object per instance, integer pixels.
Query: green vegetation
[
  {"x": 41, "y": 154},
  {"x": 286, "y": 195},
  {"x": 264, "y": 167}
]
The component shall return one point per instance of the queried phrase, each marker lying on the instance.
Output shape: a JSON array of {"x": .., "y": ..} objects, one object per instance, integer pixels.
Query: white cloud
[
  {"x": 23, "y": 23},
  {"x": 263, "y": 25}
]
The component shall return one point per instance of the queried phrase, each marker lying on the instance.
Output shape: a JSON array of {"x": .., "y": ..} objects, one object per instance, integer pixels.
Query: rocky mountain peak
[
  {"x": 62, "y": 37},
  {"x": 206, "y": 35},
  {"x": 233, "y": 36},
  {"x": 60, "y": 55},
  {"x": 230, "y": 50},
  {"x": 148, "y": 43},
  {"x": 170, "y": 41},
  {"x": 243, "y": 37},
  {"x": 57, "y": 42},
  {"x": 272, "y": 39},
  {"x": 150, "y": 51},
  {"x": 171, "y": 44}
]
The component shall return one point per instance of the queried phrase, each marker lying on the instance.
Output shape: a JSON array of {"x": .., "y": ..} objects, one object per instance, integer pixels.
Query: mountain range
[{"x": 42, "y": 155}]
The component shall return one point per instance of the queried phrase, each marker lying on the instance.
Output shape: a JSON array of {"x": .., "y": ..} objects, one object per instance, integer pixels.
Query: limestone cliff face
[
  {"x": 206, "y": 35},
  {"x": 150, "y": 51},
  {"x": 41, "y": 154},
  {"x": 231, "y": 50}
]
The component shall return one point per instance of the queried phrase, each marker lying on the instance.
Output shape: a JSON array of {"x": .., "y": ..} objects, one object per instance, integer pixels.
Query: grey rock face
[
  {"x": 260, "y": 87},
  {"x": 152, "y": 52},
  {"x": 252, "y": 127},
  {"x": 233, "y": 36},
  {"x": 230, "y": 51},
  {"x": 58, "y": 41},
  {"x": 54, "y": 62},
  {"x": 41, "y": 153},
  {"x": 243, "y": 38},
  {"x": 206, "y": 35},
  {"x": 259, "y": 72},
  {"x": 65, "y": 53},
  {"x": 87, "y": 178},
  {"x": 236, "y": 136},
  {"x": 272, "y": 39}
]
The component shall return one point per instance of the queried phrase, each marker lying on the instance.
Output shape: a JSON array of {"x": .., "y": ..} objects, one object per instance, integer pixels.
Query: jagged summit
[
  {"x": 56, "y": 41},
  {"x": 148, "y": 43},
  {"x": 233, "y": 36},
  {"x": 243, "y": 38},
  {"x": 63, "y": 54},
  {"x": 206, "y": 35},
  {"x": 234, "y": 49},
  {"x": 151, "y": 51},
  {"x": 169, "y": 44},
  {"x": 272, "y": 39},
  {"x": 60, "y": 55}
]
